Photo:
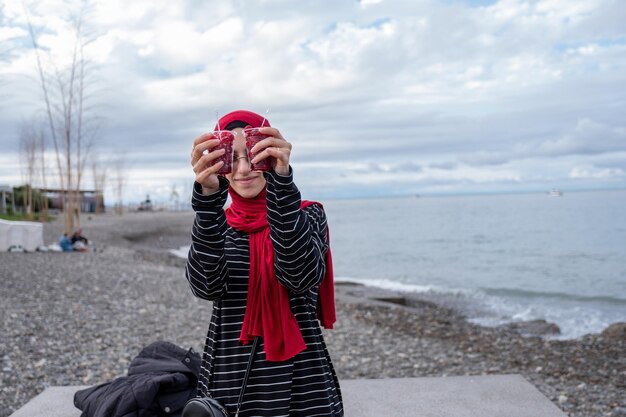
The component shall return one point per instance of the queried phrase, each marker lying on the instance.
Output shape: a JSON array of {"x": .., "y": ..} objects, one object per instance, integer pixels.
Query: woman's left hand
[{"x": 274, "y": 145}]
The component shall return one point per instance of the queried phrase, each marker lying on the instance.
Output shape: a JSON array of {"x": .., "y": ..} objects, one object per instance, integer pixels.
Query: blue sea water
[{"x": 497, "y": 258}]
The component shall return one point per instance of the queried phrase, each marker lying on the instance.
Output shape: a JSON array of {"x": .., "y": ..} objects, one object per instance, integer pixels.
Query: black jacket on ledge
[{"x": 160, "y": 380}]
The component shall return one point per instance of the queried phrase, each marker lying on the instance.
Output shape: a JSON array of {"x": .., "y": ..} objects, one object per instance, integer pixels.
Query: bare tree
[
  {"x": 29, "y": 144},
  {"x": 64, "y": 91},
  {"x": 120, "y": 171},
  {"x": 175, "y": 197},
  {"x": 42, "y": 160},
  {"x": 99, "y": 172}
]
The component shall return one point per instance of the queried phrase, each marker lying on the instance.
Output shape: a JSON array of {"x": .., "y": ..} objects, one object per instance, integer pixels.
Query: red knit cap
[{"x": 252, "y": 119}]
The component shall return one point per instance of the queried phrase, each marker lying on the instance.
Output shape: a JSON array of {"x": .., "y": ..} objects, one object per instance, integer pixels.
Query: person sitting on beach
[
  {"x": 77, "y": 236},
  {"x": 65, "y": 243},
  {"x": 79, "y": 242},
  {"x": 266, "y": 264}
]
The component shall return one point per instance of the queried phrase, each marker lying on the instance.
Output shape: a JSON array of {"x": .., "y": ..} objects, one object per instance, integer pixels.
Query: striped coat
[{"x": 217, "y": 269}]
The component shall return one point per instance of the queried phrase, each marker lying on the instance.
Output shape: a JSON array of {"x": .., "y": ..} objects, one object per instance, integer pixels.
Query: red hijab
[{"x": 268, "y": 313}]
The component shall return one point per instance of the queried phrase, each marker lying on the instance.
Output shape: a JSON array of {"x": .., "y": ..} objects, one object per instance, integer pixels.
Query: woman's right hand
[{"x": 206, "y": 174}]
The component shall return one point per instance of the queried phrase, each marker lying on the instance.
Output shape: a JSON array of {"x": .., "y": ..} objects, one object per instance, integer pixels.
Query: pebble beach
[{"x": 80, "y": 318}]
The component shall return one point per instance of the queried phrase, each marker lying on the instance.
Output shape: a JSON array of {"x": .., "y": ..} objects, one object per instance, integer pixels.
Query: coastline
[{"x": 79, "y": 318}]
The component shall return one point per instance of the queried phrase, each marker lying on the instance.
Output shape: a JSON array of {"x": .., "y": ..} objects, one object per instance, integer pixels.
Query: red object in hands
[
  {"x": 253, "y": 136},
  {"x": 226, "y": 138}
]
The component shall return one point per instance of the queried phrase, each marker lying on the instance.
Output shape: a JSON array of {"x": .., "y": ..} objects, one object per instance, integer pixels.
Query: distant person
[
  {"x": 265, "y": 263},
  {"x": 77, "y": 236},
  {"x": 65, "y": 243},
  {"x": 79, "y": 242}
]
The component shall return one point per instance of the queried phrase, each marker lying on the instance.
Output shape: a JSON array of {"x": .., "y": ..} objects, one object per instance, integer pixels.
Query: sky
[{"x": 378, "y": 97}]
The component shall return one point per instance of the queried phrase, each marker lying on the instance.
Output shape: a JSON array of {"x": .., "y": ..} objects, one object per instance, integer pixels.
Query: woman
[{"x": 265, "y": 263}]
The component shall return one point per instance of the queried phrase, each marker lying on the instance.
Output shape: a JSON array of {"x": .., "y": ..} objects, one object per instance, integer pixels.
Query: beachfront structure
[
  {"x": 5, "y": 191},
  {"x": 90, "y": 200}
]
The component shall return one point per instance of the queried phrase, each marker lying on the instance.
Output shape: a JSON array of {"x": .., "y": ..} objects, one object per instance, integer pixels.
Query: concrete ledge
[
  {"x": 52, "y": 402},
  {"x": 454, "y": 396}
]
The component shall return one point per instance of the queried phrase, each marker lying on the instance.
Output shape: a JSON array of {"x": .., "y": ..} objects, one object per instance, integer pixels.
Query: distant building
[
  {"x": 88, "y": 202},
  {"x": 5, "y": 191}
]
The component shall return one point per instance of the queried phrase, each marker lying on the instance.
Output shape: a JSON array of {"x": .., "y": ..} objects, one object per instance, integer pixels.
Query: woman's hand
[
  {"x": 207, "y": 177},
  {"x": 274, "y": 145}
]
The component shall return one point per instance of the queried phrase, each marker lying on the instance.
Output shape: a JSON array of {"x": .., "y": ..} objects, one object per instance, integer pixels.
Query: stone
[
  {"x": 539, "y": 327},
  {"x": 616, "y": 331}
]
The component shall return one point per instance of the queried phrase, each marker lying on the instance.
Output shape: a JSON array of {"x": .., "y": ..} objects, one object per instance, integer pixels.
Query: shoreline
[
  {"x": 79, "y": 318},
  {"x": 462, "y": 301},
  {"x": 470, "y": 309}
]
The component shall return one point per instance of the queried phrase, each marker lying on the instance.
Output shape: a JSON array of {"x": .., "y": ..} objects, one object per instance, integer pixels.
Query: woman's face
[{"x": 243, "y": 180}]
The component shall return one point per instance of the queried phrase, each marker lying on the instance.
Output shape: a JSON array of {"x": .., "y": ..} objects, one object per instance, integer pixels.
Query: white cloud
[
  {"x": 587, "y": 137},
  {"x": 508, "y": 9},
  {"x": 395, "y": 92},
  {"x": 7, "y": 33},
  {"x": 573, "y": 10},
  {"x": 594, "y": 173},
  {"x": 108, "y": 12},
  {"x": 366, "y": 3}
]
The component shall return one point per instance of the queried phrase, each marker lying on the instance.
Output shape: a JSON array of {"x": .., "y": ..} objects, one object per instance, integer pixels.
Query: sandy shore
[{"x": 79, "y": 318}]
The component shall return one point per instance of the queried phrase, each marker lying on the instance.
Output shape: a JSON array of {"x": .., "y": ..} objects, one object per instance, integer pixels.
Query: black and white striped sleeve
[
  {"x": 206, "y": 268},
  {"x": 298, "y": 236}
]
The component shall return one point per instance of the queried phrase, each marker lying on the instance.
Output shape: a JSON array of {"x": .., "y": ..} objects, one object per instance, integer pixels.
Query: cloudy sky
[{"x": 378, "y": 97}]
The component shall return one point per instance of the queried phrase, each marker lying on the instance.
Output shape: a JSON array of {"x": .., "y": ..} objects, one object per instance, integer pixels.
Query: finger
[
  {"x": 208, "y": 144},
  {"x": 203, "y": 137},
  {"x": 204, "y": 175},
  {"x": 282, "y": 154},
  {"x": 205, "y": 159},
  {"x": 201, "y": 147},
  {"x": 271, "y": 141},
  {"x": 272, "y": 131},
  {"x": 199, "y": 140}
]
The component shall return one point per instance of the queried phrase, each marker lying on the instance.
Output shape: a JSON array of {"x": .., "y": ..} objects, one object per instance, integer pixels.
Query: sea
[{"x": 497, "y": 258}]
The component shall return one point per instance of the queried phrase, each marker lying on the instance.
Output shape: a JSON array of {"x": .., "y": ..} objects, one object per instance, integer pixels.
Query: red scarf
[{"x": 268, "y": 313}]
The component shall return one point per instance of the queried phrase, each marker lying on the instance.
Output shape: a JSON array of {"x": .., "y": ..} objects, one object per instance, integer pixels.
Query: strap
[{"x": 245, "y": 377}]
